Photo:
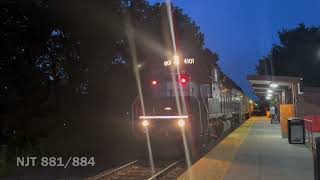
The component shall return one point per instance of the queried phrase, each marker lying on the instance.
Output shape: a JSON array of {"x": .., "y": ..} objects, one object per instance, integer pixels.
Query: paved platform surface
[{"x": 254, "y": 151}]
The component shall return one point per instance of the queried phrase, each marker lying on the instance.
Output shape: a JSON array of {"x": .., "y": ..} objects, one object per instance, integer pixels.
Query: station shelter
[{"x": 294, "y": 100}]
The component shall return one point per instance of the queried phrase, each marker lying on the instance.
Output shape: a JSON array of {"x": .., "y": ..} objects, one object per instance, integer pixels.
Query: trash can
[
  {"x": 296, "y": 132},
  {"x": 316, "y": 158}
]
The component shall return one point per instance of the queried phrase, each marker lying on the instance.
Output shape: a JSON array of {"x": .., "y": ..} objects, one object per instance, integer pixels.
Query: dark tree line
[
  {"x": 66, "y": 67},
  {"x": 298, "y": 55},
  {"x": 36, "y": 64}
]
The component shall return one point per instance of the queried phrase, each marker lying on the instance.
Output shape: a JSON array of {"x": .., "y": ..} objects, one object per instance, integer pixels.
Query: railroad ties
[{"x": 136, "y": 171}]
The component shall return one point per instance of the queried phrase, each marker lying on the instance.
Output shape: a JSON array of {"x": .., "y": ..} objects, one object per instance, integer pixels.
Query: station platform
[{"x": 254, "y": 151}]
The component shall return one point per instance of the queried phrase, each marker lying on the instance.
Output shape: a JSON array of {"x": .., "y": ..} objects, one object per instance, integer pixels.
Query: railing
[{"x": 312, "y": 129}]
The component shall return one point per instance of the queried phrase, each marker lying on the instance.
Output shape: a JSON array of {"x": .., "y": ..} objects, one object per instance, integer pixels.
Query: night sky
[{"x": 242, "y": 31}]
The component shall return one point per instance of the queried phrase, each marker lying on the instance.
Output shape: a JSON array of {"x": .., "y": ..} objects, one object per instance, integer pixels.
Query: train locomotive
[{"x": 186, "y": 107}]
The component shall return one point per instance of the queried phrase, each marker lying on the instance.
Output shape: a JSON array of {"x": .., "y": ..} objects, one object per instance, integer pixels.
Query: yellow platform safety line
[{"x": 216, "y": 163}]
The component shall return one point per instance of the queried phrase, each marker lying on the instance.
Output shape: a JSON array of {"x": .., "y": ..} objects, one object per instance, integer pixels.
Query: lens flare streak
[
  {"x": 130, "y": 35},
  {"x": 186, "y": 151},
  {"x": 178, "y": 91},
  {"x": 150, "y": 152}
]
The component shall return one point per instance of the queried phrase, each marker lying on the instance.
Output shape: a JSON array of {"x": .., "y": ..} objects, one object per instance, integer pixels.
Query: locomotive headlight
[
  {"x": 145, "y": 123},
  {"x": 181, "y": 123},
  {"x": 176, "y": 59}
]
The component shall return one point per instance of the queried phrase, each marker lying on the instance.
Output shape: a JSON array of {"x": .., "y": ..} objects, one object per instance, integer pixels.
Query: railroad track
[
  {"x": 136, "y": 171},
  {"x": 175, "y": 172}
]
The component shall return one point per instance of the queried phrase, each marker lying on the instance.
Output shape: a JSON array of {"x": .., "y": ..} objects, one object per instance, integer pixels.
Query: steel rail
[
  {"x": 164, "y": 171},
  {"x": 108, "y": 173}
]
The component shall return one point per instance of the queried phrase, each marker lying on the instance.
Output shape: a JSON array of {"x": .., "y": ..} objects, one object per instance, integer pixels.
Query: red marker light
[
  {"x": 154, "y": 82},
  {"x": 183, "y": 80}
]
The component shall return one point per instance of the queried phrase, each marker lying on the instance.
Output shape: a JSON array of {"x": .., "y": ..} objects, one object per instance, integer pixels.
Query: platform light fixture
[
  {"x": 274, "y": 85},
  {"x": 270, "y": 91}
]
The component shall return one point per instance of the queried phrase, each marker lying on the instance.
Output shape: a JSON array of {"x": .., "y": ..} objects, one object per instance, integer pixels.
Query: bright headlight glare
[
  {"x": 145, "y": 123},
  {"x": 181, "y": 123}
]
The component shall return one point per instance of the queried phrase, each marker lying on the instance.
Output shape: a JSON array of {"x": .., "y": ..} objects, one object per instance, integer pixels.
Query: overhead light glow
[
  {"x": 268, "y": 97},
  {"x": 250, "y": 101},
  {"x": 274, "y": 85},
  {"x": 270, "y": 91}
]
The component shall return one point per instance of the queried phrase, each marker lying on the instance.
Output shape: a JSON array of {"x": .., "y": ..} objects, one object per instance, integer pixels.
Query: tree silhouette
[
  {"x": 67, "y": 70},
  {"x": 298, "y": 54}
]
